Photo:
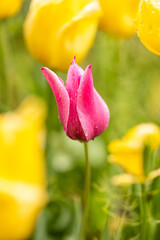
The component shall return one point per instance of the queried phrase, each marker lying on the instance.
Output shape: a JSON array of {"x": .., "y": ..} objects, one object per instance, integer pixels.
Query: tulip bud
[
  {"x": 148, "y": 27},
  {"x": 55, "y": 30},
  {"x": 82, "y": 111},
  {"x": 9, "y": 7},
  {"x": 119, "y": 17}
]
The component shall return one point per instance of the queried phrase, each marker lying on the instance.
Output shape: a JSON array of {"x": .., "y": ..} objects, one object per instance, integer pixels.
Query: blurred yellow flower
[
  {"x": 57, "y": 30},
  {"x": 128, "y": 152},
  {"x": 148, "y": 28},
  {"x": 22, "y": 171},
  {"x": 119, "y": 17},
  {"x": 128, "y": 155},
  {"x": 124, "y": 179},
  {"x": 9, "y": 7},
  {"x": 145, "y": 134}
]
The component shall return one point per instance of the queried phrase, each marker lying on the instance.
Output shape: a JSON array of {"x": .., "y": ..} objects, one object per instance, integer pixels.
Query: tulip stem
[
  {"x": 86, "y": 195},
  {"x": 3, "y": 79},
  {"x": 144, "y": 213}
]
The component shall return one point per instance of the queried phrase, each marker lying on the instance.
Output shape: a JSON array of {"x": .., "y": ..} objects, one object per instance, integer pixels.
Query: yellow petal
[
  {"x": 128, "y": 152},
  {"x": 33, "y": 108},
  {"x": 19, "y": 206},
  {"x": 128, "y": 155},
  {"x": 21, "y": 137},
  {"x": 22, "y": 170},
  {"x": 154, "y": 174},
  {"x": 9, "y": 7},
  {"x": 124, "y": 179},
  {"x": 33, "y": 111},
  {"x": 145, "y": 134},
  {"x": 56, "y": 31},
  {"x": 119, "y": 17},
  {"x": 148, "y": 28}
]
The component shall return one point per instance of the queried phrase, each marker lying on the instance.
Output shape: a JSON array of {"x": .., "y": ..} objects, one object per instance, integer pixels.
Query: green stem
[
  {"x": 105, "y": 234},
  {"x": 3, "y": 78},
  {"x": 8, "y": 75},
  {"x": 144, "y": 213},
  {"x": 86, "y": 195}
]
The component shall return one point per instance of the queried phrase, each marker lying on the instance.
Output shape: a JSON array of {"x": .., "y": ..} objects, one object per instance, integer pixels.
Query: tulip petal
[
  {"x": 60, "y": 93},
  {"x": 92, "y": 111},
  {"x": 74, "y": 75},
  {"x": 74, "y": 128},
  {"x": 124, "y": 179},
  {"x": 91, "y": 10}
]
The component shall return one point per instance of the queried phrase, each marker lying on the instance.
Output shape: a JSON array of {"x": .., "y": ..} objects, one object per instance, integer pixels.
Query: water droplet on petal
[{"x": 95, "y": 127}]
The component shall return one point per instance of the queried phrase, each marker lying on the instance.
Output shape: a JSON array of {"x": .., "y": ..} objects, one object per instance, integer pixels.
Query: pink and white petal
[
  {"x": 60, "y": 93},
  {"x": 74, "y": 75},
  {"x": 74, "y": 129},
  {"x": 92, "y": 111}
]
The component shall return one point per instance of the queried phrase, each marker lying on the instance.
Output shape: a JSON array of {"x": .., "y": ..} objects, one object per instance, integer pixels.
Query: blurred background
[{"x": 49, "y": 169}]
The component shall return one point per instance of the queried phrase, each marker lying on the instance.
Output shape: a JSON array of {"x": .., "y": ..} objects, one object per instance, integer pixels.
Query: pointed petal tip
[
  {"x": 43, "y": 69},
  {"x": 73, "y": 61},
  {"x": 88, "y": 71},
  {"x": 89, "y": 67}
]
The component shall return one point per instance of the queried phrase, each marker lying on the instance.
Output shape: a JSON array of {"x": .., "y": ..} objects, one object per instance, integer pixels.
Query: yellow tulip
[
  {"x": 119, "y": 17},
  {"x": 148, "y": 28},
  {"x": 145, "y": 134},
  {"x": 124, "y": 179},
  {"x": 128, "y": 155},
  {"x": 9, "y": 8},
  {"x": 57, "y": 30},
  {"x": 128, "y": 152},
  {"x": 22, "y": 171}
]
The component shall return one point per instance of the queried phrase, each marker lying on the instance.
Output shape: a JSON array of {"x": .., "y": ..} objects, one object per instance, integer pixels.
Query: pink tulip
[{"x": 82, "y": 111}]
